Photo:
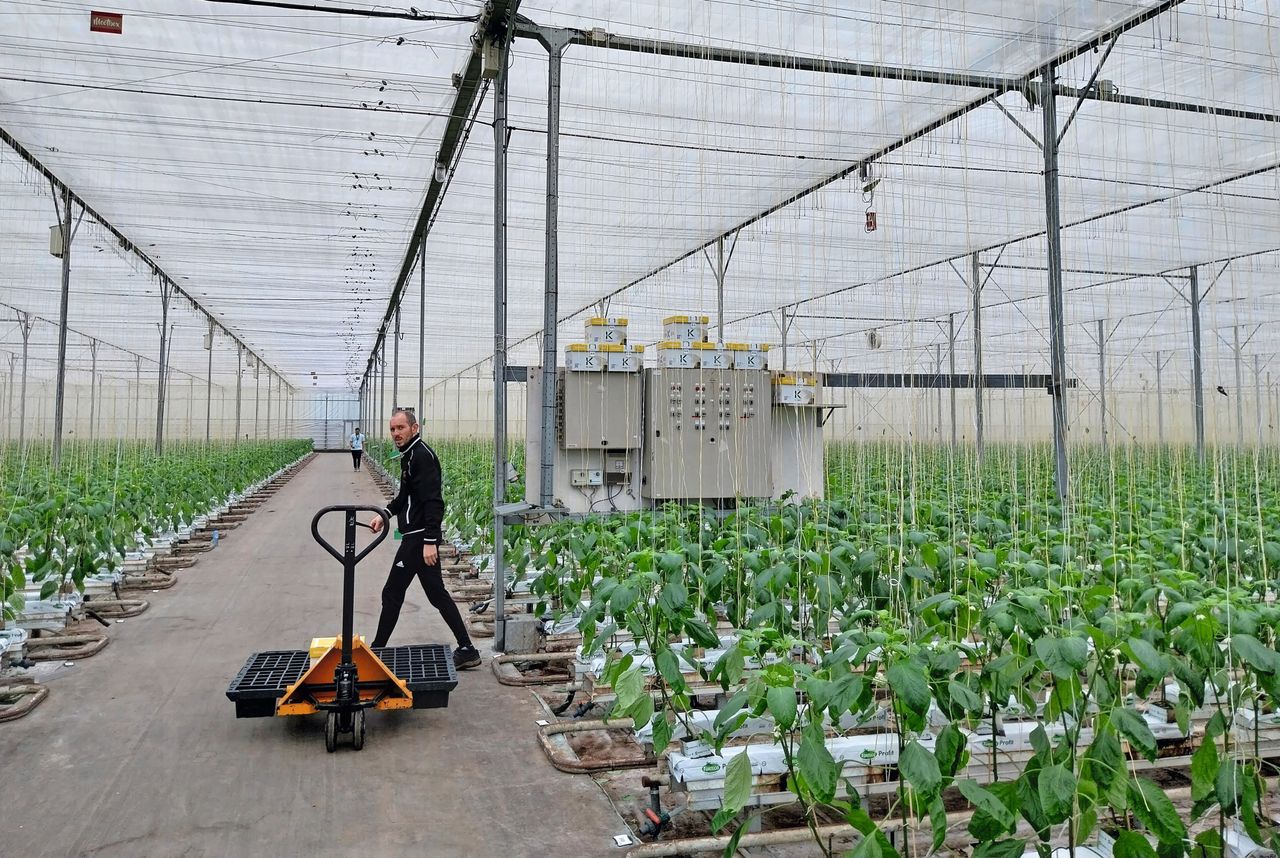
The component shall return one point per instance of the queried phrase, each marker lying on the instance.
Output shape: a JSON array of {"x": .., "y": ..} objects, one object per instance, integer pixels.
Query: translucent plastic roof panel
[
  {"x": 992, "y": 36},
  {"x": 275, "y": 162},
  {"x": 272, "y": 162}
]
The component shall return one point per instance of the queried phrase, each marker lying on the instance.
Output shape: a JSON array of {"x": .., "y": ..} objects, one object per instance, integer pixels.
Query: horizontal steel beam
[
  {"x": 922, "y": 380},
  {"x": 526, "y": 29},
  {"x": 996, "y": 84},
  {"x": 930, "y": 380}
]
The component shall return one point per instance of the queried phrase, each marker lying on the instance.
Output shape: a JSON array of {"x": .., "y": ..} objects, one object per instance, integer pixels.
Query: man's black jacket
[{"x": 419, "y": 507}]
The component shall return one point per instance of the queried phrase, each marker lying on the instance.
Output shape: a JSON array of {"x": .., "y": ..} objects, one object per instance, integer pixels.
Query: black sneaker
[{"x": 466, "y": 657}]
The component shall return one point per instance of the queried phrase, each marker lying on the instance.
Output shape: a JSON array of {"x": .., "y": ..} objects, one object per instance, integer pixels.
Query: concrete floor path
[{"x": 137, "y": 751}]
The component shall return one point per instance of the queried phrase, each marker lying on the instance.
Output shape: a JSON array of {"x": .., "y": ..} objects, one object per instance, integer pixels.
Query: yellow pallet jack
[{"x": 343, "y": 676}]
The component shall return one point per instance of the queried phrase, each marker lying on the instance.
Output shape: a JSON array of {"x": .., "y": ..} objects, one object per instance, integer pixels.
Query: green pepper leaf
[
  {"x": 703, "y": 635},
  {"x": 737, "y": 782},
  {"x": 1057, "y": 788},
  {"x": 819, "y": 769},
  {"x": 1204, "y": 770},
  {"x": 1063, "y": 657},
  {"x": 919, "y": 768},
  {"x": 908, "y": 682},
  {"x": 1011, "y": 848},
  {"x": 1134, "y": 728},
  {"x": 1131, "y": 844},
  {"x": 782, "y": 705},
  {"x": 673, "y": 598},
  {"x": 1261, "y": 658},
  {"x": 987, "y": 805},
  {"x": 1152, "y": 807}
]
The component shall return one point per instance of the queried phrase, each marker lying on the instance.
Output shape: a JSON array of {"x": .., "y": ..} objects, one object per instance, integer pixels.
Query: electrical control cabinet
[
  {"x": 708, "y": 434},
  {"x": 599, "y": 410},
  {"x": 591, "y": 407},
  {"x": 630, "y": 440}
]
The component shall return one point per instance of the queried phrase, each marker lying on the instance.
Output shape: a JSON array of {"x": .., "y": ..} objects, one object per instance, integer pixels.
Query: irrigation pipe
[
  {"x": 68, "y": 647},
  {"x": 548, "y": 734},
  {"x": 504, "y": 667},
  {"x": 117, "y": 608},
  {"x": 765, "y": 838},
  {"x": 30, "y": 696}
]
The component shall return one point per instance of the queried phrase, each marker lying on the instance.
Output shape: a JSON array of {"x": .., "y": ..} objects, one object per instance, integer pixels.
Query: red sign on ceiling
[{"x": 106, "y": 22}]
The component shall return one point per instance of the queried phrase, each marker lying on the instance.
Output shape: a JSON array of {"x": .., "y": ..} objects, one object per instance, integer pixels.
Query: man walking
[
  {"x": 419, "y": 511},
  {"x": 357, "y": 447}
]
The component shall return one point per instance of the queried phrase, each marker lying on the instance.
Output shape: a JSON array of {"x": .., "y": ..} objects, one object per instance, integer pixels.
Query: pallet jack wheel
[
  {"x": 331, "y": 732},
  {"x": 357, "y": 730}
]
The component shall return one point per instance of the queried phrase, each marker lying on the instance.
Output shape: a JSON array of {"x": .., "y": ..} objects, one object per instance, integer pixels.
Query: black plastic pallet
[
  {"x": 428, "y": 665},
  {"x": 427, "y": 670},
  {"x": 266, "y": 675}
]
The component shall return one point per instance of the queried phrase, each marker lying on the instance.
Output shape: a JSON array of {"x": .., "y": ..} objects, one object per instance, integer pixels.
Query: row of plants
[
  {"x": 928, "y": 584},
  {"x": 58, "y": 526}
]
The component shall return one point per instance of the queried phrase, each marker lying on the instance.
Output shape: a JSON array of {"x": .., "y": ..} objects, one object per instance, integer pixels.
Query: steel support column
[
  {"x": 1053, "y": 236},
  {"x": 8, "y": 398},
  {"x": 555, "y": 42},
  {"x": 1102, "y": 382},
  {"x": 208, "y": 391},
  {"x": 166, "y": 292},
  {"x": 60, "y": 393},
  {"x": 1274, "y": 421},
  {"x": 239, "y": 386},
  {"x": 500, "y": 342},
  {"x": 395, "y": 364},
  {"x": 93, "y": 390},
  {"x": 1022, "y": 408},
  {"x": 937, "y": 371},
  {"x": 720, "y": 272},
  {"x": 257, "y": 391},
  {"x": 785, "y": 326},
  {"x": 978, "y": 417},
  {"x": 1160, "y": 397},
  {"x": 951, "y": 360},
  {"x": 137, "y": 396},
  {"x": 1257, "y": 396},
  {"x": 422, "y": 326},
  {"x": 271, "y": 383},
  {"x": 1197, "y": 367},
  {"x": 24, "y": 326},
  {"x": 1239, "y": 388}
]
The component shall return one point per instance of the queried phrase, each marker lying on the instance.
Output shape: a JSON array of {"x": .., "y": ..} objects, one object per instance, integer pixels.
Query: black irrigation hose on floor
[{"x": 25, "y": 697}]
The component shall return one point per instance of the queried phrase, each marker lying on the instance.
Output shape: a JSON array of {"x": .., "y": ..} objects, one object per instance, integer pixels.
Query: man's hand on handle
[
  {"x": 375, "y": 524},
  {"x": 431, "y": 554}
]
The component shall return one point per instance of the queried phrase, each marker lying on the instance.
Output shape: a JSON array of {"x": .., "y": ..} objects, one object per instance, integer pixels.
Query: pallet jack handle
[{"x": 349, "y": 558}]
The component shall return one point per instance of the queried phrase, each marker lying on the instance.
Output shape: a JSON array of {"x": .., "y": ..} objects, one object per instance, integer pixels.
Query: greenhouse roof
[{"x": 274, "y": 163}]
